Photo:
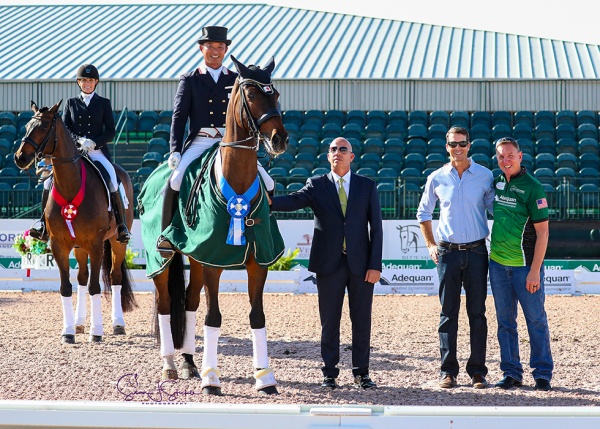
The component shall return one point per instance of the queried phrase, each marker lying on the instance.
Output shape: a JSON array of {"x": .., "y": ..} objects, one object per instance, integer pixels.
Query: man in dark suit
[{"x": 345, "y": 254}]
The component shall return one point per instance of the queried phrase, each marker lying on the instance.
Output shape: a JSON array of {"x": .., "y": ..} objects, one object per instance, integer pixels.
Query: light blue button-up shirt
[{"x": 463, "y": 202}]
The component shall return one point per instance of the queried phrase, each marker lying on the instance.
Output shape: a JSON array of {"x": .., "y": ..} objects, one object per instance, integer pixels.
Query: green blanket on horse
[{"x": 200, "y": 225}]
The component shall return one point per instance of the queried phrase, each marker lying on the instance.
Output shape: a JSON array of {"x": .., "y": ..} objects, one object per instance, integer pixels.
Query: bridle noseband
[{"x": 253, "y": 123}]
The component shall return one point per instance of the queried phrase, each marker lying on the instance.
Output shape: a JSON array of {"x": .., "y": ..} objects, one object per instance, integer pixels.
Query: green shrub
[{"x": 285, "y": 262}]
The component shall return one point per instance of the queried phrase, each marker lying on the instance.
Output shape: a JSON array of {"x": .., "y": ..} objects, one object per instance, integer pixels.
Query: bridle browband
[{"x": 253, "y": 123}]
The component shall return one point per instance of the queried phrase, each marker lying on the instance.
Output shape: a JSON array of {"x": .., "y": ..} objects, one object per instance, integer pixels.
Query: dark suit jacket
[
  {"x": 96, "y": 121},
  {"x": 364, "y": 247},
  {"x": 201, "y": 100}
]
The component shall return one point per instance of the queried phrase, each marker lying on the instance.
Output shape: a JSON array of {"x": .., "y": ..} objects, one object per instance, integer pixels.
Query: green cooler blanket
[{"x": 201, "y": 234}]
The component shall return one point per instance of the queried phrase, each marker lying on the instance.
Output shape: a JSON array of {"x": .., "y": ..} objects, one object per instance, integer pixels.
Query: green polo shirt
[{"x": 518, "y": 204}]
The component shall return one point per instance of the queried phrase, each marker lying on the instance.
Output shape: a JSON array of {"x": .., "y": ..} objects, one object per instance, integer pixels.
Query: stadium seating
[
  {"x": 481, "y": 118},
  {"x": 545, "y": 160},
  {"x": 567, "y": 160},
  {"x": 352, "y": 131},
  {"x": 480, "y": 132},
  {"x": 310, "y": 129},
  {"x": 8, "y": 132},
  {"x": 439, "y": 117},
  {"x": 566, "y": 117},
  {"x": 5, "y": 147},
  {"x": 165, "y": 117},
  {"x": 565, "y": 131},
  {"x": 417, "y": 117},
  {"x": 315, "y": 117},
  {"x": 373, "y": 145},
  {"x": 435, "y": 160},
  {"x": 544, "y": 175},
  {"x": 146, "y": 121},
  {"x": 9, "y": 175},
  {"x": 527, "y": 146},
  {"x": 481, "y": 159},
  {"x": 587, "y": 131},
  {"x": 527, "y": 162},
  {"x": 545, "y": 145},
  {"x": 8, "y": 118},
  {"x": 566, "y": 145},
  {"x": 285, "y": 160},
  {"x": 398, "y": 117},
  {"x": 319, "y": 171},
  {"x": 278, "y": 172},
  {"x": 331, "y": 130},
  {"x": 305, "y": 160},
  {"x": 158, "y": 145},
  {"x": 522, "y": 131},
  {"x": 298, "y": 175},
  {"x": 356, "y": 145},
  {"x": 588, "y": 146},
  {"x": 23, "y": 117},
  {"x": 394, "y": 145},
  {"x": 586, "y": 117},
  {"x": 545, "y": 117},
  {"x": 128, "y": 120},
  {"x": 459, "y": 119},
  {"x": 481, "y": 146},
  {"x": 437, "y": 146},
  {"x": 334, "y": 117},
  {"x": 500, "y": 117},
  {"x": 589, "y": 198},
  {"x": 523, "y": 117},
  {"x": 374, "y": 131},
  {"x": 437, "y": 131},
  {"x": 417, "y": 131},
  {"x": 566, "y": 197},
  {"x": 22, "y": 186},
  {"x": 590, "y": 160},
  {"x": 414, "y": 160},
  {"x": 545, "y": 131},
  {"x": 368, "y": 172},
  {"x": 411, "y": 175},
  {"x": 565, "y": 174},
  {"x": 308, "y": 145},
  {"x": 370, "y": 160},
  {"x": 416, "y": 145},
  {"x": 162, "y": 131},
  {"x": 376, "y": 117},
  {"x": 501, "y": 130},
  {"x": 358, "y": 117},
  {"x": 395, "y": 131},
  {"x": 589, "y": 175},
  {"x": 152, "y": 160},
  {"x": 497, "y": 172},
  {"x": 392, "y": 160},
  {"x": 292, "y": 117},
  {"x": 295, "y": 186}
]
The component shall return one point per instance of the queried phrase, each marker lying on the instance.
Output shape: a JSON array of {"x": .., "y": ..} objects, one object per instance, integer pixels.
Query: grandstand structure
[{"x": 392, "y": 88}]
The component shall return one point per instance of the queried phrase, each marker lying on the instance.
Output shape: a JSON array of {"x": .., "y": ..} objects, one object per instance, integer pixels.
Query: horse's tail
[
  {"x": 177, "y": 295},
  {"x": 128, "y": 302}
]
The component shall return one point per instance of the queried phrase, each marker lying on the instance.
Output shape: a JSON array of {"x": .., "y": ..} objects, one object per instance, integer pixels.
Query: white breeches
[
  {"x": 48, "y": 184},
  {"x": 97, "y": 155}
]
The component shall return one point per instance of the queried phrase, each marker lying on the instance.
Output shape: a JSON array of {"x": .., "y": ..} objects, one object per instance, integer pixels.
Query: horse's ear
[
  {"x": 54, "y": 108},
  {"x": 270, "y": 66},
  {"x": 243, "y": 71},
  {"x": 34, "y": 107}
]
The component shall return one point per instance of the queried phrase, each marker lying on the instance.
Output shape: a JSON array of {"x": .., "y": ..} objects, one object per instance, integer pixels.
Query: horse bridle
[
  {"x": 253, "y": 123},
  {"x": 39, "y": 148}
]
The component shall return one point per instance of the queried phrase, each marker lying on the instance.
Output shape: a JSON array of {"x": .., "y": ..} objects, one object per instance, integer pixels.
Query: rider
[{"x": 202, "y": 96}]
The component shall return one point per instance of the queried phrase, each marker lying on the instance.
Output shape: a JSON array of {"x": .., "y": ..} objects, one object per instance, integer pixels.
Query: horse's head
[
  {"x": 259, "y": 111},
  {"x": 40, "y": 131}
]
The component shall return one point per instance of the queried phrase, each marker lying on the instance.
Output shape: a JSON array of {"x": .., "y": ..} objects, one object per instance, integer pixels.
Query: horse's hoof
[
  {"x": 119, "y": 330},
  {"x": 188, "y": 372},
  {"x": 67, "y": 339},
  {"x": 79, "y": 329},
  {"x": 212, "y": 390},
  {"x": 269, "y": 390},
  {"x": 95, "y": 338},
  {"x": 169, "y": 374}
]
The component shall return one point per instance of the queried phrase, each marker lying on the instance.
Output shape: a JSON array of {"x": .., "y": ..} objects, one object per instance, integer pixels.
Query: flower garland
[{"x": 25, "y": 243}]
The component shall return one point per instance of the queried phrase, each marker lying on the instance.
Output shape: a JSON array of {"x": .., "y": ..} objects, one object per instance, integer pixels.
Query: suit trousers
[{"x": 331, "y": 289}]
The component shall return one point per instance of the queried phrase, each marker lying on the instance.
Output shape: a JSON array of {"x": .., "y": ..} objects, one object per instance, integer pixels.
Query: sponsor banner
[
  {"x": 408, "y": 281},
  {"x": 39, "y": 262}
]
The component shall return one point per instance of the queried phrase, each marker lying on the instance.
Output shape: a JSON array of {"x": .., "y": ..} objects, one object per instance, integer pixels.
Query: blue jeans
[
  {"x": 458, "y": 269},
  {"x": 508, "y": 287}
]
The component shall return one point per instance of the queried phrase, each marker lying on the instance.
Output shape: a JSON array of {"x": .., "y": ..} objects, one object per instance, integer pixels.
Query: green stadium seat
[
  {"x": 437, "y": 146},
  {"x": 566, "y": 117},
  {"x": 523, "y": 117},
  {"x": 522, "y": 131},
  {"x": 392, "y": 160},
  {"x": 587, "y": 131},
  {"x": 276, "y": 172},
  {"x": 310, "y": 130},
  {"x": 565, "y": 131},
  {"x": 497, "y": 172},
  {"x": 527, "y": 146},
  {"x": 356, "y": 145},
  {"x": 352, "y": 131},
  {"x": 459, "y": 119},
  {"x": 376, "y": 117},
  {"x": 334, "y": 117},
  {"x": 358, "y": 117},
  {"x": 482, "y": 159},
  {"x": 373, "y": 145},
  {"x": 394, "y": 145},
  {"x": 588, "y": 146},
  {"x": 298, "y": 175},
  {"x": 158, "y": 145},
  {"x": 417, "y": 131},
  {"x": 293, "y": 130},
  {"x": 589, "y": 175},
  {"x": 501, "y": 130},
  {"x": 313, "y": 117},
  {"x": 8, "y": 118},
  {"x": 427, "y": 172},
  {"x": 501, "y": 117},
  {"x": 387, "y": 197},
  {"x": 546, "y": 145},
  {"x": 411, "y": 175},
  {"x": 165, "y": 117},
  {"x": 526, "y": 162},
  {"x": 322, "y": 161},
  {"x": 589, "y": 197},
  {"x": 331, "y": 130},
  {"x": 5, "y": 147},
  {"x": 387, "y": 175},
  {"x": 440, "y": 117},
  {"x": 320, "y": 171},
  {"x": 8, "y": 132},
  {"x": 285, "y": 160},
  {"x": 9, "y": 161},
  {"x": 417, "y": 117},
  {"x": 416, "y": 145},
  {"x": 395, "y": 131},
  {"x": 9, "y": 175},
  {"x": 304, "y": 160},
  {"x": 22, "y": 186},
  {"x": 399, "y": 117},
  {"x": 143, "y": 172},
  {"x": 368, "y": 172},
  {"x": 292, "y": 117},
  {"x": 545, "y": 160},
  {"x": 437, "y": 131},
  {"x": 23, "y": 117},
  {"x": 565, "y": 174},
  {"x": 146, "y": 121},
  {"x": 566, "y": 145},
  {"x": 279, "y": 188},
  {"x": 127, "y": 120},
  {"x": 566, "y": 197},
  {"x": 435, "y": 160},
  {"x": 409, "y": 196},
  {"x": 480, "y": 132},
  {"x": 545, "y": 117},
  {"x": 162, "y": 131},
  {"x": 481, "y": 146},
  {"x": 376, "y": 131},
  {"x": 414, "y": 160},
  {"x": 295, "y": 186},
  {"x": 544, "y": 175},
  {"x": 308, "y": 145},
  {"x": 481, "y": 118},
  {"x": 370, "y": 160},
  {"x": 586, "y": 117},
  {"x": 590, "y": 160},
  {"x": 324, "y": 145},
  {"x": 152, "y": 160},
  {"x": 292, "y": 146}
]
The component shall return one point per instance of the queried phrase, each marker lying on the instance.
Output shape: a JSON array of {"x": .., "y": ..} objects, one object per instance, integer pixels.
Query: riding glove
[
  {"x": 174, "y": 160},
  {"x": 86, "y": 144}
]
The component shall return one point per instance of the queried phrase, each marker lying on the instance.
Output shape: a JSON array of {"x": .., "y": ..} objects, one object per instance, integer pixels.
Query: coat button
[
  {"x": 211, "y": 113},
  {"x": 212, "y": 125},
  {"x": 210, "y": 101}
]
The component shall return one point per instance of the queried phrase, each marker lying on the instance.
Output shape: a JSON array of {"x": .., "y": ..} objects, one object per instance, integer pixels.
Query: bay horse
[
  {"x": 252, "y": 117},
  {"x": 85, "y": 225}
]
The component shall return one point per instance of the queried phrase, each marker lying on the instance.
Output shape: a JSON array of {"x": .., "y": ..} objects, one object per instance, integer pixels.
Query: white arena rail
[{"x": 117, "y": 415}]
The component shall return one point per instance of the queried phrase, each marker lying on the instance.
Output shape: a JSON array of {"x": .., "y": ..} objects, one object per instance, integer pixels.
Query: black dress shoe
[
  {"x": 542, "y": 384},
  {"x": 329, "y": 383},
  {"x": 508, "y": 382},
  {"x": 364, "y": 381}
]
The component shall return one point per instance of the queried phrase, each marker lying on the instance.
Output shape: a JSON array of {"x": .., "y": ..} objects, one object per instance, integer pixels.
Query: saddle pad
[{"x": 204, "y": 240}]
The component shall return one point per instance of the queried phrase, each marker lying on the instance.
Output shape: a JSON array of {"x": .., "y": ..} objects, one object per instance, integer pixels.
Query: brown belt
[{"x": 461, "y": 246}]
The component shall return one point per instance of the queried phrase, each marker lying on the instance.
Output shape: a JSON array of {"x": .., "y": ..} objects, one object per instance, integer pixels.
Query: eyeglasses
[
  {"x": 463, "y": 143},
  {"x": 342, "y": 149}
]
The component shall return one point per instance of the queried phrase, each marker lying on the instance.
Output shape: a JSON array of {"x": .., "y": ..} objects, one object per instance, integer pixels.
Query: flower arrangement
[{"x": 25, "y": 243}]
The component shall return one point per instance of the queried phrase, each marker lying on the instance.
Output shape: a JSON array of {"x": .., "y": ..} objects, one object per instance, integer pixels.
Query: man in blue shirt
[{"x": 464, "y": 190}]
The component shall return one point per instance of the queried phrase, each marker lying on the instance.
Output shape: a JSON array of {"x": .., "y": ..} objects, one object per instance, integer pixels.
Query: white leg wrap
[
  {"x": 169, "y": 362},
  {"x": 259, "y": 348},
  {"x": 166, "y": 338},
  {"x": 210, "y": 377},
  {"x": 189, "y": 338},
  {"x": 81, "y": 306},
  {"x": 68, "y": 319},
  {"x": 264, "y": 378},
  {"x": 211, "y": 339},
  {"x": 117, "y": 310},
  {"x": 269, "y": 182},
  {"x": 96, "y": 315}
]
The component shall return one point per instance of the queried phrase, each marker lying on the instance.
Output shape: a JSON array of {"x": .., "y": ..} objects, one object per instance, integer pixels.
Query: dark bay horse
[
  {"x": 85, "y": 225},
  {"x": 252, "y": 117}
]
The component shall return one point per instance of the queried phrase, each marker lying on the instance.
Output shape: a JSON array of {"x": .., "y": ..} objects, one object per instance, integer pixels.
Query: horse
[
  {"x": 409, "y": 238},
  {"x": 85, "y": 225},
  {"x": 252, "y": 117}
]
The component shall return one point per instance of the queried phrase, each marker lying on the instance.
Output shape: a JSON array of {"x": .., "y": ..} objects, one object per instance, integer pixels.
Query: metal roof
[{"x": 159, "y": 42}]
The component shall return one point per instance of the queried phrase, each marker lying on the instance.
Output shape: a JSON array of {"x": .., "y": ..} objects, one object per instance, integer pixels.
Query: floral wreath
[{"x": 25, "y": 243}]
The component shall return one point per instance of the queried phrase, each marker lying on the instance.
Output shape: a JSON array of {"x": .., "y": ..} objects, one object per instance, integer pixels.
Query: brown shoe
[
  {"x": 479, "y": 382},
  {"x": 448, "y": 381}
]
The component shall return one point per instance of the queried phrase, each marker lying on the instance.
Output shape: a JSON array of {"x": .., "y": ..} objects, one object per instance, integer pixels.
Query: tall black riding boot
[
  {"x": 164, "y": 246},
  {"x": 123, "y": 235},
  {"x": 41, "y": 233}
]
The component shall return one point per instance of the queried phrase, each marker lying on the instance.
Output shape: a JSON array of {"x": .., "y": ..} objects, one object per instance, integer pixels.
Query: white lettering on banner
[{"x": 596, "y": 267}]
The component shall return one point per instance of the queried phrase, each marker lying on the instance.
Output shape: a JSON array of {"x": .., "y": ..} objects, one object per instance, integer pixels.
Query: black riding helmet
[{"x": 88, "y": 71}]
